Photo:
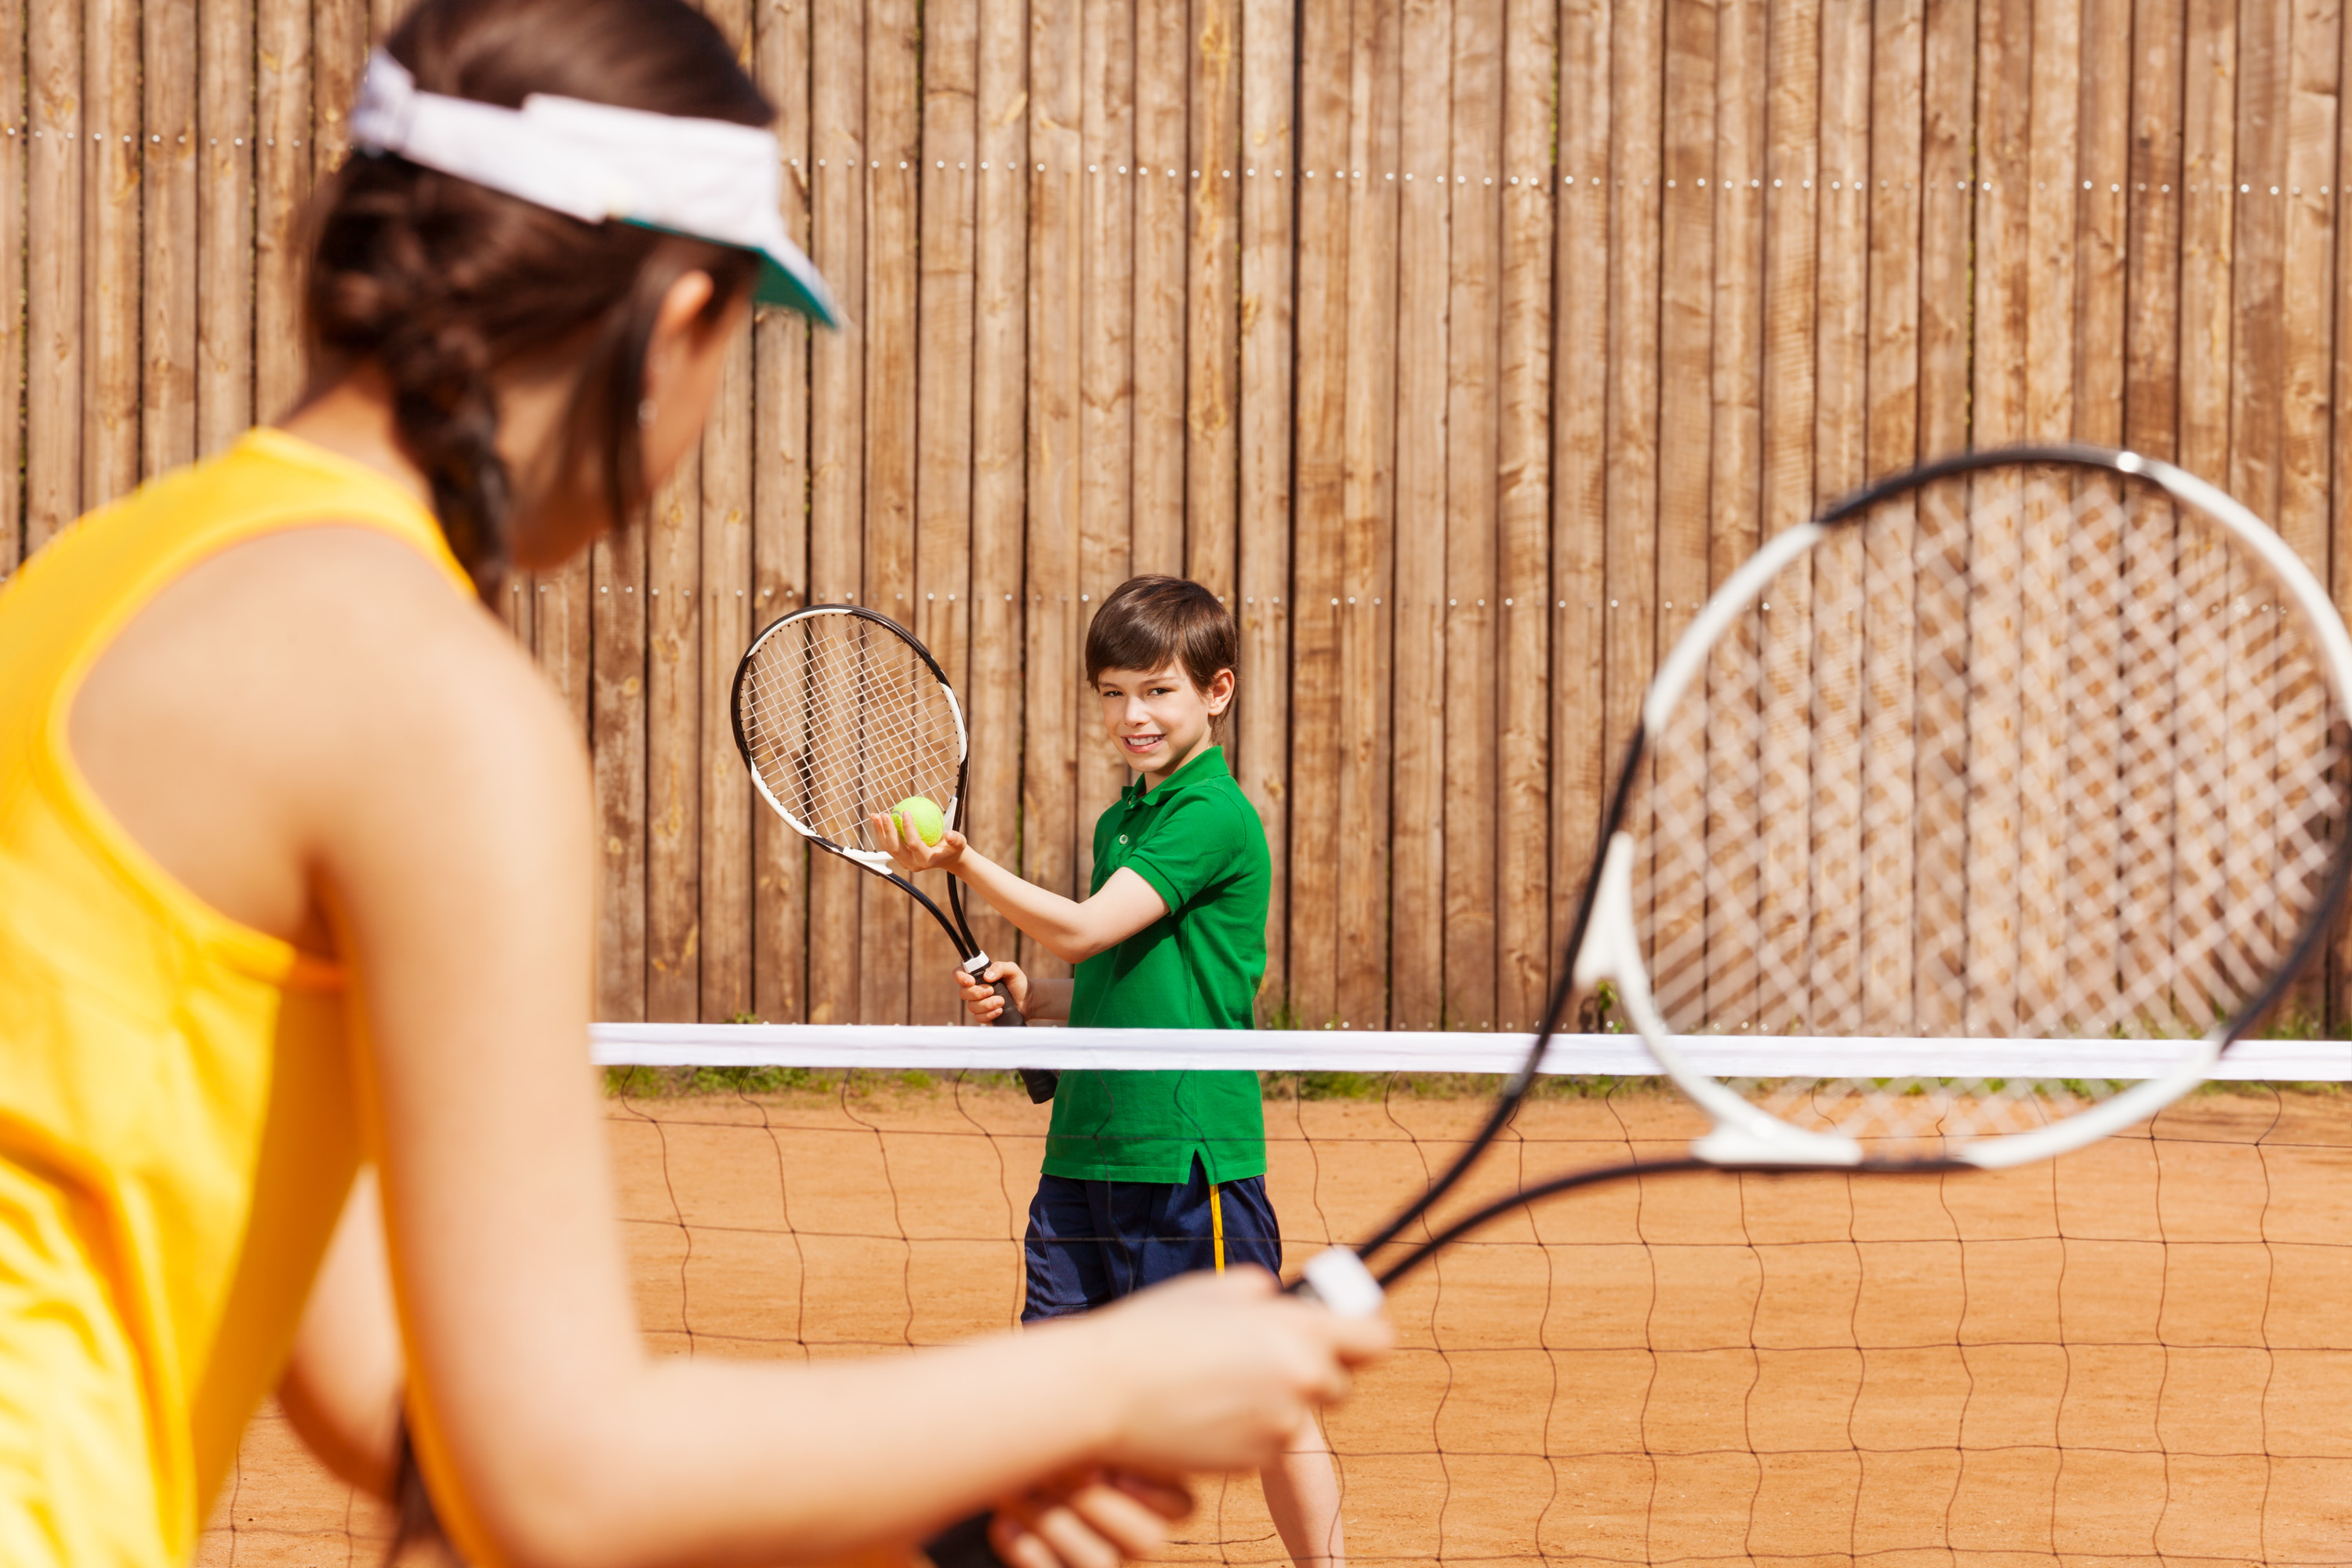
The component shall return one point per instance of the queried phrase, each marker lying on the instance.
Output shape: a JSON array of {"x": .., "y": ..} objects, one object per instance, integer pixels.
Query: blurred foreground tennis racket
[
  {"x": 2044, "y": 746},
  {"x": 840, "y": 714}
]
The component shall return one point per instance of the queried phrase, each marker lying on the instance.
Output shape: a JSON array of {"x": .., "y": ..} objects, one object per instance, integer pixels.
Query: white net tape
[
  {"x": 2031, "y": 753},
  {"x": 843, "y": 719}
]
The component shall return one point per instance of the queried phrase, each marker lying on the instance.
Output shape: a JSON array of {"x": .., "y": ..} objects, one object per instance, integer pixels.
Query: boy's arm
[{"x": 1070, "y": 931}]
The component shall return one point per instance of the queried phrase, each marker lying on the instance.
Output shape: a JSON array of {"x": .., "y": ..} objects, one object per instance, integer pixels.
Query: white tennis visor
[{"x": 706, "y": 179}]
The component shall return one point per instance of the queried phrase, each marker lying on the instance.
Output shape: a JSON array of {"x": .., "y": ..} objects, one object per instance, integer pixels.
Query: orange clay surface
[{"x": 2142, "y": 1351}]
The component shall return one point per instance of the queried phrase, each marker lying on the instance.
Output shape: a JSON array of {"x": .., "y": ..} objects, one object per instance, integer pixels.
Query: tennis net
[{"x": 2138, "y": 1353}]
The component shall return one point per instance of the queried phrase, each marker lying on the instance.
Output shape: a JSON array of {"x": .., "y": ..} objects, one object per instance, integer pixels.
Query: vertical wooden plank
[
  {"x": 1684, "y": 346},
  {"x": 893, "y": 138},
  {"x": 2338, "y": 170},
  {"x": 779, "y": 499},
  {"x": 1892, "y": 182},
  {"x": 2004, "y": 130},
  {"x": 2257, "y": 347},
  {"x": 225, "y": 250},
  {"x": 53, "y": 291},
  {"x": 2156, "y": 189},
  {"x": 2103, "y": 138},
  {"x": 1889, "y": 804},
  {"x": 1262, "y": 722},
  {"x": 1424, "y": 262},
  {"x": 1582, "y": 282},
  {"x": 1317, "y": 559},
  {"x": 282, "y": 98},
  {"x": 2152, "y": 282},
  {"x": 1368, "y": 500},
  {"x": 1734, "y": 497},
  {"x": 1531, "y": 40},
  {"x": 15, "y": 142},
  {"x": 1791, "y": 160},
  {"x": 1841, "y": 418},
  {"x": 1840, "y": 428},
  {"x": 2208, "y": 166},
  {"x": 999, "y": 444},
  {"x": 943, "y": 494},
  {"x": 167, "y": 393},
  {"x": 560, "y": 633},
  {"x": 674, "y": 748},
  {"x": 1947, "y": 161},
  {"x": 724, "y": 856},
  {"x": 339, "y": 41},
  {"x": 110, "y": 319},
  {"x": 1996, "y": 728},
  {"x": 617, "y": 746},
  {"x": 2052, "y": 212},
  {"x": 1211, "y": 457},
  {"x": 1947, "y": 170},
  {"x": 1473, "y": 590},
  {"x": 2102, "y": 223},
  {"x": 1056, "y": 166},
  {"x": 2308, "y": 323},
  {"x": 1107, "y": 371},
  {"x": 836, "y": 438},
  {"x": 1160, "y": 177},
  {"x": 514, "y": 604}
]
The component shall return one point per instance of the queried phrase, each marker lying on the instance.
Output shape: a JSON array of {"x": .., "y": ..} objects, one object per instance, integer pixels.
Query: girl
[{"x": 295, "y": 873}]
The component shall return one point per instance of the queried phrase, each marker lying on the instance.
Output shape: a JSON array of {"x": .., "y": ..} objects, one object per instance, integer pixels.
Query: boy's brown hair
[{"x": 1148, "y": 622}]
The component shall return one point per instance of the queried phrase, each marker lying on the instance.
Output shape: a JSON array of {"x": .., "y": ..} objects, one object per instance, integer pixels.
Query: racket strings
[
  {"x": 2021, "y": 754},
  {"x": 842, "y": 719}
]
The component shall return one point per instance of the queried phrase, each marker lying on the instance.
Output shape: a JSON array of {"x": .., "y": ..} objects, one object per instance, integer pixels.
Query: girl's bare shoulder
[{"x": 307, "y": 687}]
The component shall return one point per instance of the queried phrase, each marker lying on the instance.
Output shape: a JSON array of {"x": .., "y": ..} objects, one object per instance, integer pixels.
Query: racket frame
[
  {"x": 1747, "y": 1136},
  {"x": 1603, "y": 937},
  {"x": 876, "y": 861}
]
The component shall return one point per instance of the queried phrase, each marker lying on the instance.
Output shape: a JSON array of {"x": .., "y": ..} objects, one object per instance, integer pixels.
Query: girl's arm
[
  {"x": 1071, "y": 930},
  {"x": 342, "y": 1384}
]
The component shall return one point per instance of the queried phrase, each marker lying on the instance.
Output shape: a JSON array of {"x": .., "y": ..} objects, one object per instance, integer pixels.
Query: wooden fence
[{"x": 1460, "y": 344}]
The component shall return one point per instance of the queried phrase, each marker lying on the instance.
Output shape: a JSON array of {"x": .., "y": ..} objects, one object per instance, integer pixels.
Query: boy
[{"x": 1150, "y": 1175}]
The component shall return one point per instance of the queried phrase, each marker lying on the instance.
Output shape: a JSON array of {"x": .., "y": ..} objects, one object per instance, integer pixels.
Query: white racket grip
[{"x": 1341, "y": 1282}]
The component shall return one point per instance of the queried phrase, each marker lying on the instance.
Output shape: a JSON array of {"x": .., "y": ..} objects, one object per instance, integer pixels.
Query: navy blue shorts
[{"x": 1091, "y": 1243}]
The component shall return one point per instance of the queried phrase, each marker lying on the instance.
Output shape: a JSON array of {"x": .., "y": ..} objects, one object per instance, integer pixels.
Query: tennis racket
[
  {"x": 840, "y": 714},
  {"x": 2044, "y": 746}
]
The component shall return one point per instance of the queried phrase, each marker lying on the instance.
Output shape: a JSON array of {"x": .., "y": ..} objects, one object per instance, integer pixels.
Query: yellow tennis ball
[{"x": 918, "y": 815}]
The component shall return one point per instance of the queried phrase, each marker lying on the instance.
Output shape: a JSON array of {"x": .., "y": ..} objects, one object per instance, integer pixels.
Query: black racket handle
[
  {"x": 963, "y": 1545},
  {"x": 1041, "y": 1082}
]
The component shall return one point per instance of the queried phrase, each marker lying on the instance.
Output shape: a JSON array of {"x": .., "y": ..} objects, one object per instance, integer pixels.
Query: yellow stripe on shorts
[{"x": 1217, "y": 1224}]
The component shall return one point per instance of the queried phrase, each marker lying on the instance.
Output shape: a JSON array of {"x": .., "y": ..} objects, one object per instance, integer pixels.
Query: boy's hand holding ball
[{"x": 916, "y": 833}]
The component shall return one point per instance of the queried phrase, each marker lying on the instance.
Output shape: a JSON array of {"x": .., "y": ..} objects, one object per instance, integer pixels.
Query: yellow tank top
[{"x": 176, "y": 1125}]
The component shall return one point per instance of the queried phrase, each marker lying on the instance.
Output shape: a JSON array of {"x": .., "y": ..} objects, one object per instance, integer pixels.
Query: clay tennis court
[{"x": 2143, "y": 1350}]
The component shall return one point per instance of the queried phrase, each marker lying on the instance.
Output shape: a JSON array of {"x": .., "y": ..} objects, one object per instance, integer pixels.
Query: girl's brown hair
[{"x": 442, "y": 283}]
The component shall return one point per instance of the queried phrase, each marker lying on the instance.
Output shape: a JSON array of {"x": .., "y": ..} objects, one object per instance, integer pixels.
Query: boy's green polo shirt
[{"x": 1198, "y": 841}]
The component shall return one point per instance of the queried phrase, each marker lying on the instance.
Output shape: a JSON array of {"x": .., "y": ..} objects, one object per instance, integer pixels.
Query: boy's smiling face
[{"x": 1158, "y": 719}]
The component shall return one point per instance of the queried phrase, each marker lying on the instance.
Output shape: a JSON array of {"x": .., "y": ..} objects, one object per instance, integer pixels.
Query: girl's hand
[
  {"x": 981, "y": 1000},
  {"x": 1219, "y": 1372},
  {"x": 908, "y": 849},
  {"x": 1096, "y": 1519}
]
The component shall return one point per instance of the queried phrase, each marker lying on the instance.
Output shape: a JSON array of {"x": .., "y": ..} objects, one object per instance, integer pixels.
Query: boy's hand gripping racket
[
  {"x": 2044, "y": 747},
  {"x": 840, "y": 713}
]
